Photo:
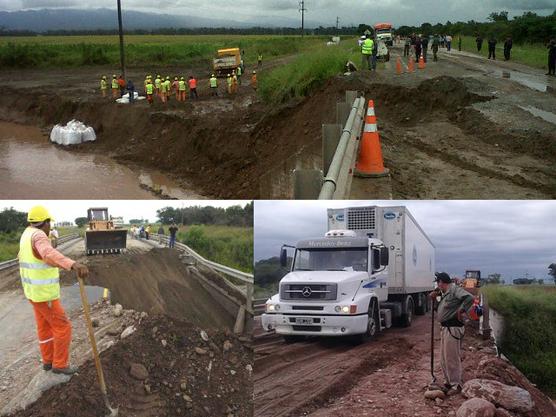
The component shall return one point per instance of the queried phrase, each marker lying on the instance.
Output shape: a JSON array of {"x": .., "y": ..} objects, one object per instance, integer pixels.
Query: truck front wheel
[
  {"x": 372, "y": 324},
  {"x": 407, "y": 316}
]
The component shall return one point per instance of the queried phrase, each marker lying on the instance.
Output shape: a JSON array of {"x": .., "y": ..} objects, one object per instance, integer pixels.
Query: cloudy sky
[
  {"x": 68, "y": 210},
  {"x": 509, "y": 237},
  {"x": 399, "y": 12}
]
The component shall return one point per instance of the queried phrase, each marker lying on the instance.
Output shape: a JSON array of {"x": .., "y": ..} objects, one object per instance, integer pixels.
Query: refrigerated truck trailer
[{"x": 374, "y": 267}]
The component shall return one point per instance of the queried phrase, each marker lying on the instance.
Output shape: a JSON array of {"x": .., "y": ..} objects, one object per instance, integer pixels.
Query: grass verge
[
  {"x": 529, "y": 336},
  {"x": 534, "y": 55}
]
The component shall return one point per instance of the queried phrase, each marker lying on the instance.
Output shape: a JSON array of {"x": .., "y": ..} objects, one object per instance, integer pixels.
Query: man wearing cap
[
  {"x": 40, "y": 278},
  {"x": 454, "y": 303}
]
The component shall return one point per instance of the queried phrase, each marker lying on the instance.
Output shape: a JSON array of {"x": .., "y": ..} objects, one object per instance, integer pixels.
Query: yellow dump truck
[{"x": 226, "y": 61}]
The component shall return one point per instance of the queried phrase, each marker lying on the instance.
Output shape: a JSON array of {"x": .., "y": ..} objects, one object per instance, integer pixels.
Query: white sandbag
[
  {"x": 140, "y": 98},
  {"x": 89, "y": 134},
  {"x": 123, "y": 100},
  {"x": 55, "y": 134},
  {"x": 73, "y": 133},
  {"x": 135, "y": 95}
]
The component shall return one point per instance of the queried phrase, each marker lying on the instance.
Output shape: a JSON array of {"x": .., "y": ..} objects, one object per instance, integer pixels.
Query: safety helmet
[
  {"x": 254, "y": 72},
  {"x": 167, "y": 78},
  {"x": 158, "y": 76},
  {"x": 113, "y": 75},
  {"x": 175, "y": 78},
  {"x": 38, "y": 214},
  {"x": 212, "y": 75},
  {"x": 104, "y": 77},
  {"x": 181, "y": 78}
]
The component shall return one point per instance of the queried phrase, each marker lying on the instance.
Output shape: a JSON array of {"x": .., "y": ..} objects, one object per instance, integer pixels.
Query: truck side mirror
[
  {"x": 283, "y": 258},
  {"x": 384, "y": 256},
  {"x": 376, "y": 259}
]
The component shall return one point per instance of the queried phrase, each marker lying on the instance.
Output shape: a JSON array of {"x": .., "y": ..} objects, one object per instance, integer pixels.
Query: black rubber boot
[{"x": 46, "y": 366}]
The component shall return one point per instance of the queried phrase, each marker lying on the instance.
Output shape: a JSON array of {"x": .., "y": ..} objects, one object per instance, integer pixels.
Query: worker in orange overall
[
  {"x": 181, "y": 89},
  {"x": 176, "y": 88},
  {"x": 103, "y": 85},
  {"x": 40, "y": 278},
  {"x": 115, "y": 87},
  {"x": 163, "y": 91},
  {"x": 150, "y": 90},
  {"x": 192, "y": 82},
  {"x": 254, "y": 80}
]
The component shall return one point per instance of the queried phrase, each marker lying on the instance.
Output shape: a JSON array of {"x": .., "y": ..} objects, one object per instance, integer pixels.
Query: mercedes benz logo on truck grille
[{"x": 306, "y": 292}]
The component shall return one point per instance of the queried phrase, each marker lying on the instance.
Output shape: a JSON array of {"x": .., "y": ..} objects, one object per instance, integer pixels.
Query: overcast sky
[
  {"x": 399, "y": 12},
  {"x": 69, "y": 210},
  {"x": 509, "y": 237}
]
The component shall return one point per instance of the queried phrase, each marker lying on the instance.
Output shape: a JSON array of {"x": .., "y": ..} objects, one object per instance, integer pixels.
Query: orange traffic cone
[
  {"x": 370, "y": 162},
  {"x": 410, "y": 65},
  {"x": 421, "y": 64},
  {"x": 399, "y": 66}
]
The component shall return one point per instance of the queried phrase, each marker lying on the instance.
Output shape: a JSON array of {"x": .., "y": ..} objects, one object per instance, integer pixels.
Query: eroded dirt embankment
[{"x": 436, "y": 140}]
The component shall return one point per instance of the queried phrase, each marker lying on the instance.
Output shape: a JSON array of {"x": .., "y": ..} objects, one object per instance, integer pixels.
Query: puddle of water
[
  {"x": 30, "y": 166},
  {"x": 545, "y": 115}
]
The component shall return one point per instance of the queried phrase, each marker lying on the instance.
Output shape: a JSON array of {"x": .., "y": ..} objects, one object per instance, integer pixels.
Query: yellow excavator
[{"x": 101, "y": 235}]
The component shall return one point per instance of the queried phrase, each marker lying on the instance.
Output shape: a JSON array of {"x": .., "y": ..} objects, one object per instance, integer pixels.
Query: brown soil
[
  {"x": 386, "y": 377},
  {"x": 157, "y": 282},
  {"x": 217, "y": 382}
]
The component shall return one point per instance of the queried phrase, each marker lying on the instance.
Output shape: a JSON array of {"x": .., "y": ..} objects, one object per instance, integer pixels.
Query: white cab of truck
[{"x": 372, "y": 268}]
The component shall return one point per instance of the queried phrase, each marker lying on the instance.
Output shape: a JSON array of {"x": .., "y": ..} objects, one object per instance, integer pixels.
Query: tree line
[
  {"x": 529, "y": 27},
  {"x": 230, "y": 216}
]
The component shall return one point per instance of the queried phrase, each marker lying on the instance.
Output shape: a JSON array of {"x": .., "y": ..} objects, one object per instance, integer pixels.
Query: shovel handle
[{"x": 96, "y": 357}]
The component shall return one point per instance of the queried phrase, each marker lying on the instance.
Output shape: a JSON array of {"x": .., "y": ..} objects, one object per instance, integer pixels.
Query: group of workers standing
[
  {"x": 491, "y": 42},
  {"x": 420, "y": 45},
  {"x": 163, "y": 88}
]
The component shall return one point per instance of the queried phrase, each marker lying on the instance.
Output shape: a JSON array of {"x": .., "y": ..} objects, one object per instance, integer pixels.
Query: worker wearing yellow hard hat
[{"x": 40, "y": 278}]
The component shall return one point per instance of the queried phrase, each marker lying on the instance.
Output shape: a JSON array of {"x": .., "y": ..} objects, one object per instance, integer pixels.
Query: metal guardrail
[
  {"x": 259, "y": 306},
  {"x": 340, "y": 143},
  {"x": 244, "y": 277},
  {"x": 14, "y": 262}
]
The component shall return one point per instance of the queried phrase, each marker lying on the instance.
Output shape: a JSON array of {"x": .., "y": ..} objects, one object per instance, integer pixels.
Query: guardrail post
[
  {"x": 249, "y": 298},
  {"x": 307, "y": 183},
  {"x": 330, "y": 138},
  {"x": 351, "y": 95},
  {"x": 342, "y": 112}
]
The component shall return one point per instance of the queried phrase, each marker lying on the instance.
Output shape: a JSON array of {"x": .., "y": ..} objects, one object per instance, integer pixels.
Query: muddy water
[
  {"x": 32, "y": 167},
  {"x": 543, "y": 114}
]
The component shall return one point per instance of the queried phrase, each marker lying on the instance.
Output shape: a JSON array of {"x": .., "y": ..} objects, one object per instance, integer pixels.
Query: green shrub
[{"x": 529, "y": 334}]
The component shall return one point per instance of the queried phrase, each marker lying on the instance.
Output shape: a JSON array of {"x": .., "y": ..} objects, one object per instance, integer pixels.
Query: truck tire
[
  {"x": 420, "y": 310},
  {"x": 407, "y": 316},
  {"x": 373, "y": 324}
]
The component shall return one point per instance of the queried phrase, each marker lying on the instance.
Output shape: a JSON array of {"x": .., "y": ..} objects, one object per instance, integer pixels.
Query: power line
[{"x": 302, "y": 9}]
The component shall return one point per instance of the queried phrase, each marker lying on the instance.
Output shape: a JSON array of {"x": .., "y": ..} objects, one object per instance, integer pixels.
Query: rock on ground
[
  {"x": 476, "y": 407},
  {"x": 41, "y": 382},
  {"x": 128, "y": 331},
  {"x": 433, "y": 394},
  {"x": 138, "y": 371},
  {"x": 502, "y": 395}
]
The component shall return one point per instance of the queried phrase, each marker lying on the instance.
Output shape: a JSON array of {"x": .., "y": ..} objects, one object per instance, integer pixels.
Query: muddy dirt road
[{"x": 386, "y": 377}]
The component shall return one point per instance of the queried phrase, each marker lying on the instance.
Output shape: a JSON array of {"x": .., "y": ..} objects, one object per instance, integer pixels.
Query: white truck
[{"x": 374, "y": 267}]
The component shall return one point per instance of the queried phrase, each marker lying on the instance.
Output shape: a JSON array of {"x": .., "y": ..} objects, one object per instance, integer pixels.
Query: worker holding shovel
[
  {"x": 40, "y": 278},
  {"x": 454, "y": 303}
]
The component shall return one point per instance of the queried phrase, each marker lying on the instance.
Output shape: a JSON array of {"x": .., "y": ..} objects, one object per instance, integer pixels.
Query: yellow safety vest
[
  {"x": 41, "y": 282},
  {"x": 367, "y": 47},
  {"x": 229, "y": 80},
  {"x": 157, "y": 82},
  {"x": 213, "y": 82},
  {"x": 181, "y": 85},
  {"x": 115, "y": 83},
  {"x": 162, "y": 87},
  {"x": 150, "y": 88},
  {"x": 168, "y": 85},
  {"x": 103, "y": 85}
]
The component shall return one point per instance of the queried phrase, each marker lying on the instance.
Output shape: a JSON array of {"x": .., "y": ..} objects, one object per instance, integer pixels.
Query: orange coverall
[{"x": 53, "y": 326}]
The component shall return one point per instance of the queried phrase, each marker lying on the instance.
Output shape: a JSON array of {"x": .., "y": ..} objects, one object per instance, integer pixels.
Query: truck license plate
[{"x": 303, "y": 320}]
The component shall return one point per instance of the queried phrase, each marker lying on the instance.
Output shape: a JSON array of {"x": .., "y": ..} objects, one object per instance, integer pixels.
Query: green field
[
  {"x": 228, "y": 245},
  {"x": 529, "y": 337},
  {"x": 9, "y": 242},
  {"x": 535, "y": 55},
  {"x": 142, "y": 50}
]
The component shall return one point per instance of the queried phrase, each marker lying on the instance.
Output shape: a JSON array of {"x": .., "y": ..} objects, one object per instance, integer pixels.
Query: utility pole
[
  {"x": 337, "y": 23},
  {"x": 302, "y": 9},
  {"x": 121, "y": 30}
]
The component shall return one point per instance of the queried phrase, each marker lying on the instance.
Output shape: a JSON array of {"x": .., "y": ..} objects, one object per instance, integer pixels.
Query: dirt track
[{"x": 386, "y": 377}]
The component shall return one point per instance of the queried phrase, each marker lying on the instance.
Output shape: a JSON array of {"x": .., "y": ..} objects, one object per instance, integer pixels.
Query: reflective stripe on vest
[
  {"x": 40, "y": 281},
  {"x": 115, "y": 83},
  {"x": 213, "y": 82},
  {"x": 150, "y": 89}
]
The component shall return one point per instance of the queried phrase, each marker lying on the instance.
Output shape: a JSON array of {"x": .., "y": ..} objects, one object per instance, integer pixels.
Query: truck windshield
[
  {"x": 354, "y": 259},
  {"x": 383, "y": 31}
]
